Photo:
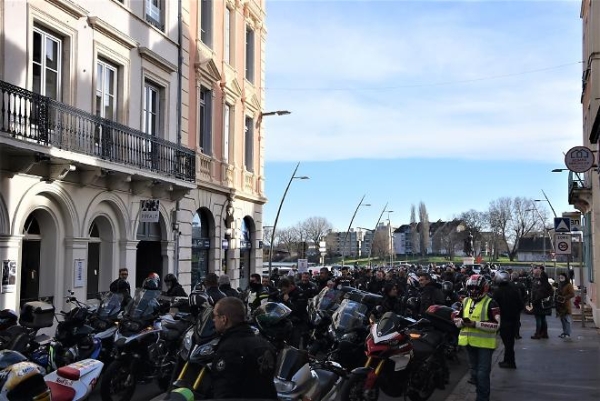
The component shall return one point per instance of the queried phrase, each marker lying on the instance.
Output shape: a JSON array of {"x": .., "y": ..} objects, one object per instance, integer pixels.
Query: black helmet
[
  {"x": 447, "y": 286},
  {"x": 171, "y": 278},
  {"x": 8, "y": 318},
  {"x": 502, "y": 277},
  {"x": 273, "y": 320},
  {"x": 199, "y": 300},
  {"x": 152, "y": 282},
  {"x": 413, "y": 303}
]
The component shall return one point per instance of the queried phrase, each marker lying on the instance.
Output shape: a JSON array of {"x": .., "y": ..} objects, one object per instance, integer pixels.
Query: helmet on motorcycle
[
  {"x": 477, "y": 286},
  {"x": 502, "y": 277},
  {"x": 413, "y": 280},
  {"x": 273, "y": 320},
  {"x": 413, "y": 303},
  {"x": 9, "y": 357},
  {"x": 447, "y": 286},
  {"x": 8, "y": 317},
  {"x": 199, "y": 300},
  {"x": 152, "y": 282}
]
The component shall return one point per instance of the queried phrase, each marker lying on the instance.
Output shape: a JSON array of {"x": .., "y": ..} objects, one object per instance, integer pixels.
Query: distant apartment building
[{"x": 129, "y": 137}]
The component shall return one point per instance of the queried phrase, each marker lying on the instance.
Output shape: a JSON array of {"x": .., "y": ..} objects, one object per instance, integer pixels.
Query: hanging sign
[{"x": 149, "y": 210}]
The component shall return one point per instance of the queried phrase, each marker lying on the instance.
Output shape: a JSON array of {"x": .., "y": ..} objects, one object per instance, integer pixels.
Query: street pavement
[{"x": 547, "y": 370}]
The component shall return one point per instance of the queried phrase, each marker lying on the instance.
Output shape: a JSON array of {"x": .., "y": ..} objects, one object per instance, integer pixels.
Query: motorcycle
[
  {"x": 197, "y": 349},
  {"x": 404, "y": 356},
  {"x": 143, "y": 349},
  {"x": 25, "y": 380}
]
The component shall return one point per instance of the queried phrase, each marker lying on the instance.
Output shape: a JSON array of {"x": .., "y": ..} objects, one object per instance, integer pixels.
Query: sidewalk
[{"x": 547, "y": 370}]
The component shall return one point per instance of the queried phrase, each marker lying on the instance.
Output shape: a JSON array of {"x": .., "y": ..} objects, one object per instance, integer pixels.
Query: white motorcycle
[{"x": 21, "y": 379}]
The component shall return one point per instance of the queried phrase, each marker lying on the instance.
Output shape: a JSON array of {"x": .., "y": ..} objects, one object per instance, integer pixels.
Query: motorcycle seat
[
  {"x": 172, "y": 331},
  {"x": 60, "y": 392},
  {"x": 327, "y": 379}
]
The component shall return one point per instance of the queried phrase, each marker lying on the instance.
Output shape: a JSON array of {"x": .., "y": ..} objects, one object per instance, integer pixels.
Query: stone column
[
  {"x": 127, "y": 258},
  {"x": 76, "y": 249}
]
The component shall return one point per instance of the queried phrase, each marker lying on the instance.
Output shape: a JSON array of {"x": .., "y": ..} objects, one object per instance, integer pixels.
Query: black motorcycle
[{"x": 144, "y": 349}]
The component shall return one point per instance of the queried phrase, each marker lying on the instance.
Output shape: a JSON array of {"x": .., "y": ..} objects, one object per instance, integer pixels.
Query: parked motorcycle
[
  {"x": 25, "y": 380},
  {"x": 197, "y": 349},
  {"x": 143, "y": 349},
  {"x": 404, "y": 357}
]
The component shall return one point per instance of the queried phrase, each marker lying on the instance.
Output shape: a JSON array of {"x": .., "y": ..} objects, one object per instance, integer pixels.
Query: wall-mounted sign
[
  {"x": 225, "y": 244},
  {"x": 78, "y": 273},
  {"x": 562, "y": 242},
  {"x": 579, "y": 159},
  {"x": 9, "y": 275},
  {"x": 149, "y": 210}
]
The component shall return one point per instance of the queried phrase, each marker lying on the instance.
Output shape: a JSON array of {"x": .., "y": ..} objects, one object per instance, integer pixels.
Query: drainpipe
[{"x": 178, "y": 129}]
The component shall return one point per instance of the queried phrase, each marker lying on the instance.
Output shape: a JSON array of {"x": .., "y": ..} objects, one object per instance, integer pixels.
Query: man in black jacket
[
  {"x": 431, "y": 294},
  {"x": 174, "y": 289},
  {"x": 244, "y": 363},
  {"x": 225, "y": 286},
  {"x": 511, "y": 304}
]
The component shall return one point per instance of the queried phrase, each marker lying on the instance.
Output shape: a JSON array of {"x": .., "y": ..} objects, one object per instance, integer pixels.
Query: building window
[
  {"x": 46, "y": 64},
  {"x": 227, "y": 37},
  {"x": 249, "y": 54},
  {"x": 106, "y": 90},
  {"x": 155, "y": 13},
  {"x": 206, "y": 121},
  {"x": 206, "y": 12},
  {"x": 152, "y": 113},
  {"x": 226, "y": 131},
  {"x": 249, "y": 144}
]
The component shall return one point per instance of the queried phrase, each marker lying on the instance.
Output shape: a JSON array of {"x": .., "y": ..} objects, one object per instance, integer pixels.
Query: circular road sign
[
  {"x": 579, "y": 159},
  {"x": 563, "y": 246}
]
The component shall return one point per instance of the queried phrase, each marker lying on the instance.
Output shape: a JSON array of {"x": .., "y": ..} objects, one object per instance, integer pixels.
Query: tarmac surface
[{"x": 547, "y": 369}]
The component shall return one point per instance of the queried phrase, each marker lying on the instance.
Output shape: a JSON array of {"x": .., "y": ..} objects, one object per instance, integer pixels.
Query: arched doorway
[
  {"x": 93, "y": 261},
  {"x": 149, "y": 257},
  {"x": 246, "y": 229},
  {"x": 200, "y": 245},
  {"x": 40, "y": 243}
]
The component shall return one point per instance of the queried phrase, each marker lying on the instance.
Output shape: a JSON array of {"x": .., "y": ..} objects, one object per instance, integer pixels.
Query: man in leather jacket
[
  {"x": 431, "y": 294},
  {"x": 244, "y": 363},
  {"x": 256, "y": 294}
]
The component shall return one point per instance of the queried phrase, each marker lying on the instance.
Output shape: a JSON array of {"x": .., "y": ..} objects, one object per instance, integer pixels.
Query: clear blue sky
[{"x": 453, "y": 104}]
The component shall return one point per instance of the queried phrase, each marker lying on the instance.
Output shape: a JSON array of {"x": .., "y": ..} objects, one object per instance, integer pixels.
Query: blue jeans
[
  {"x": 480, "y": 363},
  {"x": 540, "y": 323},
  {"x": 566, "y": 324}
]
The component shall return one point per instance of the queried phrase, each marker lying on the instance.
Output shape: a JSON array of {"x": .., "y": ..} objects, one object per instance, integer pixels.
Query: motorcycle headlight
[
  {"x": 187, "y": 343},
  {"x": 283, "y": 386},
  {"x": 204, "y": 350}
]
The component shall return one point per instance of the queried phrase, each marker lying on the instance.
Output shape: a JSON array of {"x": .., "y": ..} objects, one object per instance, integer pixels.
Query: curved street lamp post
[
  {"x": 349, "y": 226},
  {"x": 292, "y": 178}
]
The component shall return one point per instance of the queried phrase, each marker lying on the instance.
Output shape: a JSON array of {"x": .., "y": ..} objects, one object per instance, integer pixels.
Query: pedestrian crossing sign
[{"x": 562, "y": 224}]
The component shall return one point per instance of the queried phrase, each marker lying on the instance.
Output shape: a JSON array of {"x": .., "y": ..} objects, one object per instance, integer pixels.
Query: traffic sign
[
  {"x": 579, "y": 159},
  {"x": 562, "y": 242},
  {"x": 575, "y": 218},
  {"x": 562, "y": 224}
]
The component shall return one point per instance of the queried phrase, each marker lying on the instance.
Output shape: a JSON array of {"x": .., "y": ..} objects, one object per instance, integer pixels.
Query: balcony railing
[{"x": 30, "y": 117}]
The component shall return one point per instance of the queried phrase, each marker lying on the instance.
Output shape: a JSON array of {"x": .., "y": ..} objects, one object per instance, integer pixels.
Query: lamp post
[
  {"x": 292, "y": 178},
  {"x": 391, "y": 237},
  {"x": 546, "y": 231},
  {"x": 350, "y": 225},
  {"x": 375, "y": 230}
]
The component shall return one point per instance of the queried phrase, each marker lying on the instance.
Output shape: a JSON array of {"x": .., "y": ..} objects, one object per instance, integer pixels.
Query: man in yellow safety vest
[{"x": 479, "y": 322}]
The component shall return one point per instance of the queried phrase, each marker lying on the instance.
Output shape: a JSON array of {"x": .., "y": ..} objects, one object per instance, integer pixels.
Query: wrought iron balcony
[{"x": 33, "y": 118}]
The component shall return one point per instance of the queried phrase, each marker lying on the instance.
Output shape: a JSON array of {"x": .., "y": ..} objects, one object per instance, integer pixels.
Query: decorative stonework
[
  {"x": 111, "y": 32},
  {"x": 248, "y": 182},
  {"x": 70, "y": 8},
  {"x": 204, "y": 163},
  {"x": 157, "y": 60}
]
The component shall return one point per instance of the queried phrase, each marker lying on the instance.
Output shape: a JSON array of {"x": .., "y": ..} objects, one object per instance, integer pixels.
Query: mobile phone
[{"x": 466, "y": 320}]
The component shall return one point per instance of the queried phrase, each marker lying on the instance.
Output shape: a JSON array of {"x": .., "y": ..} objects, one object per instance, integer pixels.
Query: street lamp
[
  {"x": 292, "y": 178},
  {"x": 276, "y": 113},
  {"x": 391, "y": 237},
  {"x": 375, "y": 230},
  {"x": 546, "y": 232},
  {"x": 350, "y": 225},
  {"x": 546, "y": 200}
]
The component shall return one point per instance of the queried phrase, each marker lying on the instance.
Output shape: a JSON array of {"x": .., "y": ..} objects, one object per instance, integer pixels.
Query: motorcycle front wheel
[
  {"x": 353, "y": 389},
  {"x": 118, "y": 382}
]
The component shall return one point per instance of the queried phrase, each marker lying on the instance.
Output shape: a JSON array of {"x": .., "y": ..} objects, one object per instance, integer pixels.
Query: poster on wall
[
  {"x": 78, "y": 274},
  {"x": 149, "y": 210},
  {"x": 9, "y": 275}
]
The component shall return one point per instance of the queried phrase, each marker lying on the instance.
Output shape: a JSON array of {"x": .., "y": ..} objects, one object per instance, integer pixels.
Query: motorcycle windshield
[
  {"x": 144, "y": 305},
  {"x": 350, "y": 315},
  {"x": 289, "y": 362},
  {"x": 110, "y": 305},
  {"x": 390, "y": 322},
  {"x": 205, "y": 326},
  {"x": 328, "y": 299}
]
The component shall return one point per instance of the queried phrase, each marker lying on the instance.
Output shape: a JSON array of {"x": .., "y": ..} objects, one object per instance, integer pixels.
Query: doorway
[
  {"x": 149, "y": 258},
  {"x": 30, "y": 270}
]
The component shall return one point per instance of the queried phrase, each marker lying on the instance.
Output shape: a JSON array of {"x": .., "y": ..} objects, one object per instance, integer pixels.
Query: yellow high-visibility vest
[{"x": 473, "y": 336}]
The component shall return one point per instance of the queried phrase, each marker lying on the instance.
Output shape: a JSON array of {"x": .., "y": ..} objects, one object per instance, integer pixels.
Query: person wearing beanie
[{"x": 225, "y": 286}]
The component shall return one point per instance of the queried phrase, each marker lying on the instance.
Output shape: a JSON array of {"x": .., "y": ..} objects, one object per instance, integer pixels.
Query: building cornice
[
  {"x": 102, "y": 26},
  {"x": 157, "y": 60},
  {"x": 70, "y": 8}
]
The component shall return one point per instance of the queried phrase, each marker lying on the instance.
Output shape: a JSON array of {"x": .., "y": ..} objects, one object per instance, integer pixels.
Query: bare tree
[
  {"x": 512, "y": 219},
  {"x": 287, "y": 238},
  {"x": 424, "y": 234},
  {"x": 475, "y": 222},
  {"x": 380, "y": 244},
  {"x": 414, "y": 233},
  {"x": 316, "y": 228},
  {"x": 301, "y": 237}
]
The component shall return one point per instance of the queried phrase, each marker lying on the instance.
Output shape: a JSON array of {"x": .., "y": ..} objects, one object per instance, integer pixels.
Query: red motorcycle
[{"x": 404, "y": 356}]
